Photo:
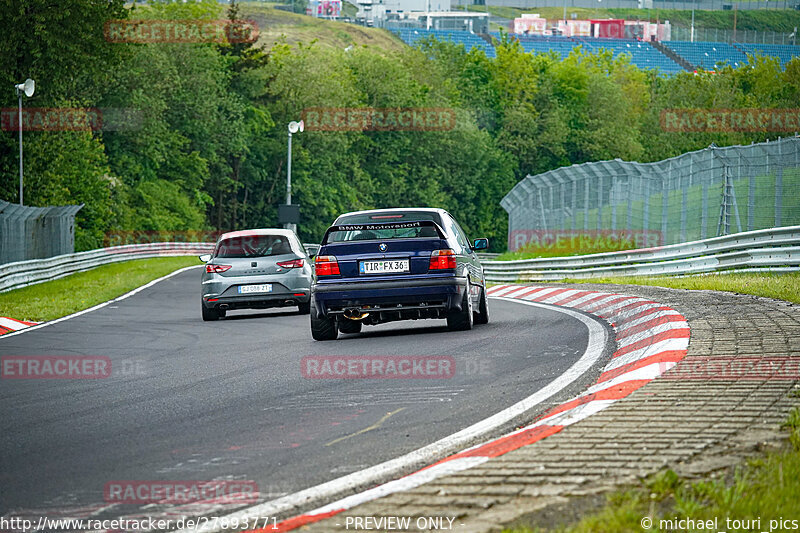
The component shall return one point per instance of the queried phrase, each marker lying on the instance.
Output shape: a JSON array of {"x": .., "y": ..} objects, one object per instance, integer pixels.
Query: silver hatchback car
[{"x": 255, "y": 269}]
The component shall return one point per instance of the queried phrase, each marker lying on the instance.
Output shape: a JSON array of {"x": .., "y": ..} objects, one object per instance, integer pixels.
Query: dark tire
[
  {"x": 350, "y": 326},
  {"x": 482, "y": 316},
  {"x": 322, "y": 328},
  {"x": 305, "y": 308},
  {"x": 462, "y": 320},
  {"x": 222, "y": 313},
  {"x": 209, "y": 315}
]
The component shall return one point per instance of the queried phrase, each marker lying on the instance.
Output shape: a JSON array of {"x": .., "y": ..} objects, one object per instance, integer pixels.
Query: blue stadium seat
[
  {"x": 708, "y": 55},
  {"x": 469, "y": 40},
  {"x": 784, "y": 53}
]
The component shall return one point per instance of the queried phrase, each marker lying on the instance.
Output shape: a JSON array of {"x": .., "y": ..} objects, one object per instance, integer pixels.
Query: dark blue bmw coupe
[{"x": 396, "y": 264}]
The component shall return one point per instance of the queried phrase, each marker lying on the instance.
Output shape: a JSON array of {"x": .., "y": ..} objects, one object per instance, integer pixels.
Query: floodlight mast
[
  {"x": 28, "y": 87},
  {"x": 294, "y": 127}
]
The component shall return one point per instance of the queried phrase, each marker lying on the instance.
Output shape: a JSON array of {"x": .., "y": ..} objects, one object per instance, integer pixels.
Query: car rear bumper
[
  {"x": 288, "y": 289},
  {"x": 257, "y": 301},
  {"x": 414, "y": 298}
]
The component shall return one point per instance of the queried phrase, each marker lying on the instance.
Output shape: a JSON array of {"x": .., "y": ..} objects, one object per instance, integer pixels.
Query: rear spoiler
[{"x": 384, "y": 225}]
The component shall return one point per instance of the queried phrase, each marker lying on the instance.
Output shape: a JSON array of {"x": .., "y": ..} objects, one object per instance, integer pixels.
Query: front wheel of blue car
[
  {"x": 322, "y": 328},
  {"x": 462, "y": 320}
]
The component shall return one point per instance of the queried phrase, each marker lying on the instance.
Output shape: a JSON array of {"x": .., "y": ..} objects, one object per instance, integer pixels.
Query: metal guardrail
[
  {"x": 24, "y": 273},
  {"x": 776, "y": 249}
]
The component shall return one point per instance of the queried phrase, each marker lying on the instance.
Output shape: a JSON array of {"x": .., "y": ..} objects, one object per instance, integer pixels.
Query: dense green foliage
[{"x": 208, "y": 149}]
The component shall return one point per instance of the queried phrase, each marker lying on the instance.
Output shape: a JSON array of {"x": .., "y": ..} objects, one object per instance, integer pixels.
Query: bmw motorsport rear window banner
[{"x": 376, "y": 227}]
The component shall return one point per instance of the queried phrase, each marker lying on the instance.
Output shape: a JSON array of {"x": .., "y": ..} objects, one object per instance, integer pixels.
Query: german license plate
[
  {"x": 250, "y": 289},
  {"x": 383, "y": 267}
]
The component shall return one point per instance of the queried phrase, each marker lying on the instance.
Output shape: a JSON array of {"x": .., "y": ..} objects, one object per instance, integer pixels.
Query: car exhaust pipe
[
  {"x": 354, "y": 313},
  {"x": 223, "y": 307}
]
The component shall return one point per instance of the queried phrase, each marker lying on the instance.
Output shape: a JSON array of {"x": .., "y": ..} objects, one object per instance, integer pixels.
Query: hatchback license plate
[
  {"x": 248, "y": 289},
  {"x": 383, "y": 267}
]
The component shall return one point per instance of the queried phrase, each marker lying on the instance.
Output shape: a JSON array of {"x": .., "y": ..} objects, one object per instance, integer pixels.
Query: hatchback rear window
[{"x": 253, "y": 246}]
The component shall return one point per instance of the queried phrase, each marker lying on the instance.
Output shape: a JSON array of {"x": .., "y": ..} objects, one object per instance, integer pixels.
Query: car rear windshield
[
  {"x": 384, "y": 234},
  {"x": 253, "y": 246}
]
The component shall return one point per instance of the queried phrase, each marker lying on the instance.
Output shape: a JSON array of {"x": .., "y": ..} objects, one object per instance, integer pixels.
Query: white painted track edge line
[
  {"x": 598, "y": 338},
  {"x": 100, "y": 305}
]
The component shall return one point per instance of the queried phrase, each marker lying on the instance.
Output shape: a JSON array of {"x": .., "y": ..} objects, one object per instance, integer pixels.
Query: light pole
[
  {"x": 28, "y": 87},
  {"x": 294, "y": 127}
]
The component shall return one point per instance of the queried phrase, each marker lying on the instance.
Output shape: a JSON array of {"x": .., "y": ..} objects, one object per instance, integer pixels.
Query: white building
[{"x": 375, "y": 12}]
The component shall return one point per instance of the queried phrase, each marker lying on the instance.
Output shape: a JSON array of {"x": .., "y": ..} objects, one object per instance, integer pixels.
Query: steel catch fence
[
  {"x": 36, "y": 232},
  {"x": 698, "y": 195}
]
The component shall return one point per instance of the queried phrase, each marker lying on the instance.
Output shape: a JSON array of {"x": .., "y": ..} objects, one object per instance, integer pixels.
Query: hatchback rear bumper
[{"x": 257, "y": 301}]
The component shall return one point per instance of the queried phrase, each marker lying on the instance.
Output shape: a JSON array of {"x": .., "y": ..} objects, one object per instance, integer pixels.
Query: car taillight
[
  {"x": 442, "y": 260},
  {"x": 326, "y": 265},
  {"x": 216, "y": 269},
  {"x": 294, "y": 263}
]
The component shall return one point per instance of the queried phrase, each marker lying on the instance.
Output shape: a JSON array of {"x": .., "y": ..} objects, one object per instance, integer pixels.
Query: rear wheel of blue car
[
  {"x": 482, "y": 316},
  {"x": 322, "y": 328},
  {"x": 462, "y": 320}
]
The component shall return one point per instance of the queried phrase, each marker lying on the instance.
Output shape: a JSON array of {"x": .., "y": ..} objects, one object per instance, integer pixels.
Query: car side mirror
[
  {"x": 480, "y": 244},
  {"x": 205, "y": 258}
]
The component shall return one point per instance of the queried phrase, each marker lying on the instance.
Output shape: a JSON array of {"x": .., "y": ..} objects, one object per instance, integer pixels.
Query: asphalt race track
[{"x": 193, "y": 400}]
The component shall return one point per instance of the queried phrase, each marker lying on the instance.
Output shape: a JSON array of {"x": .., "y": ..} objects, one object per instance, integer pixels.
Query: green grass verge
[
  {"x": 764, "y": 488},
  {"x": 771, "y": 285},
  {"x": 568, "y": 246},
  {"x": 61, "y": 297},
  {"x": 276, "y": 25}
]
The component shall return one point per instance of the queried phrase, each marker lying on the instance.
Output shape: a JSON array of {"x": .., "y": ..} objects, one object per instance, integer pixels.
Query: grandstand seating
[
  {"x": 783, "y": 52},
  {"x": 469, "y": 40},
  {"x": 703, "y": 55},
  {"x": 708, "y": 55},
  {"x": 544, "y": 44},
  {"x": 643, "y": 54}
]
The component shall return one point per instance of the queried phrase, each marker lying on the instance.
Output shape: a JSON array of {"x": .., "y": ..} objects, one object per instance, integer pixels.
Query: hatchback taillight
[
  {"x": 295, "y": 263},
  {"x": 216, "y": 269},
  {"x": 326, "y": 265},
  {"x": 442, "y": 260}
]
